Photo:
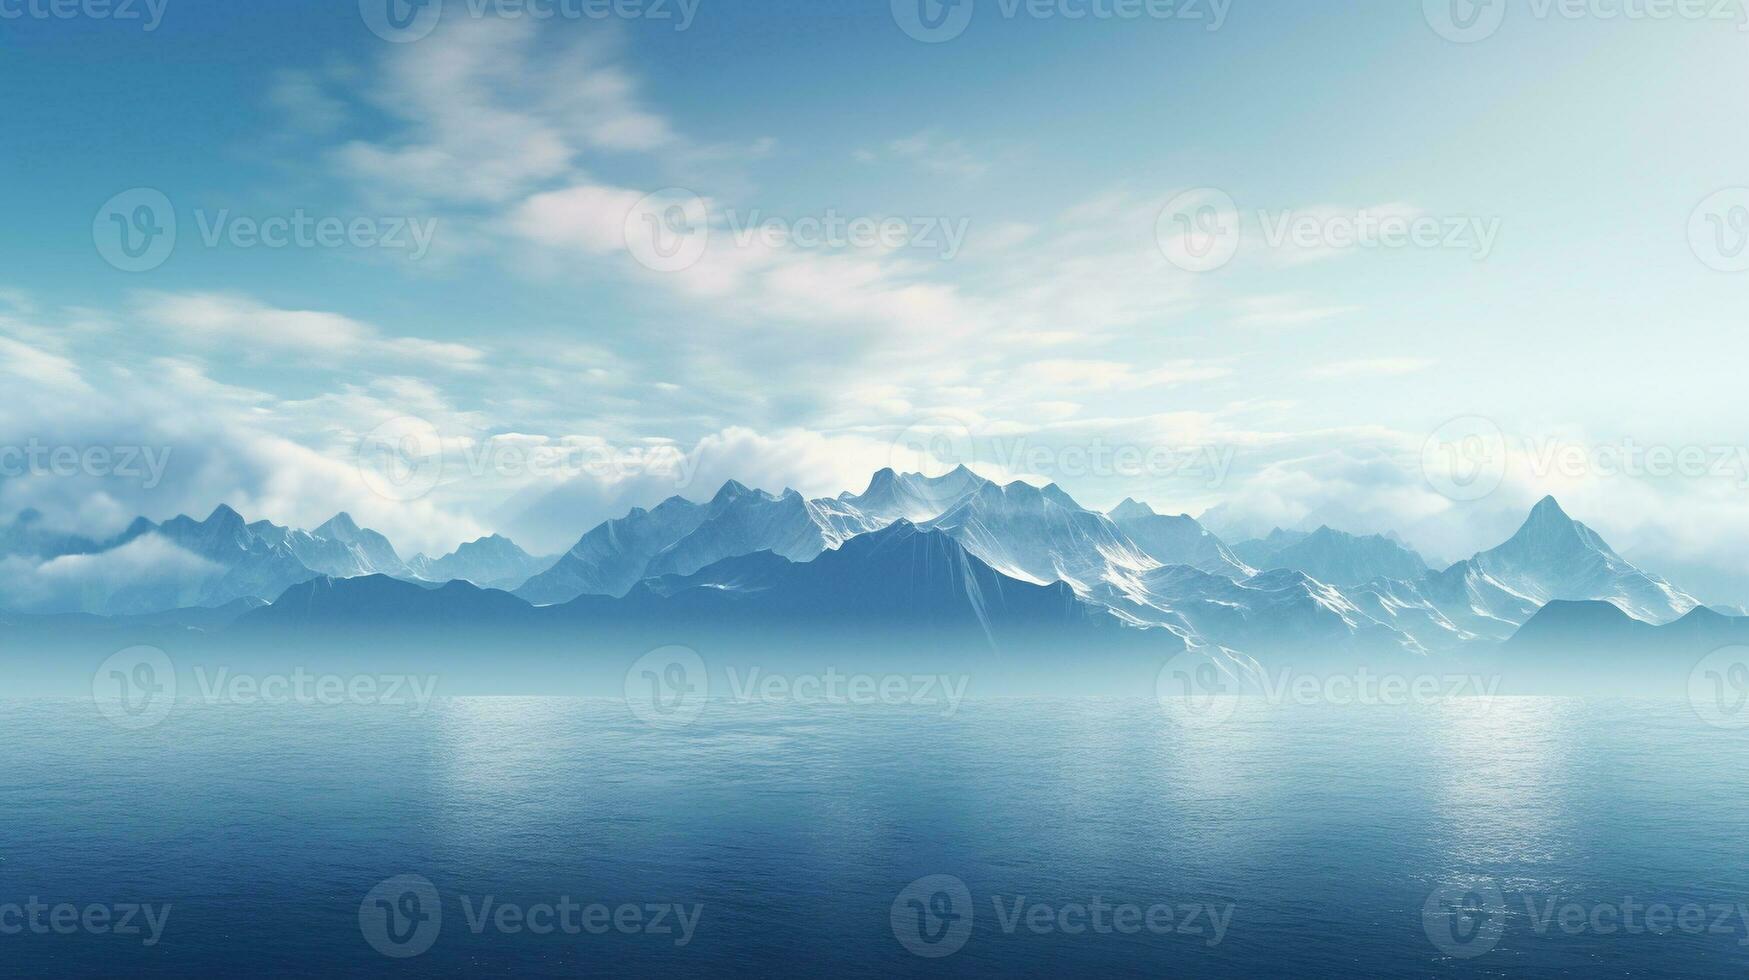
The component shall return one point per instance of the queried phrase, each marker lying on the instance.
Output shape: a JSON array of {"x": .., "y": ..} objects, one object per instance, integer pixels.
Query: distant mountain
[
  {"x": 902, "y": 578},
  {"x": 901, "y": 575},
  {"x": 28, "y": 536},
  {"x": 1555, "y": 557},
  {"x": 913, "y": 497},
  {"x": 1177, "y": 540},
  {"x": 492, "y": 562},
  {"x": 378, "y": 600},
  {"x": 1336, "y": 557},
  {"x": 375, "y": 555},
  {"x": 1581, "y": 646},
  {"x": 248, "y": 566},
  {"x": 1257, "y": 552},
  {"x": 741, "y": 521},
  {"x": 985, "y": 561},
  {"x": 680, "y": 537},
  {"x": 611, "y": 557},
  {"x": 1280, "y": 611},
  {"x": 1042, "y": 535},
  {"x": 756, "y": 572},
  {"x": 189, "y": 563}
]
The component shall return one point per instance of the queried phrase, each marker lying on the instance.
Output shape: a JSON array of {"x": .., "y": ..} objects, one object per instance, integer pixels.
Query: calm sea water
[{"x": 1016, "y": 837}]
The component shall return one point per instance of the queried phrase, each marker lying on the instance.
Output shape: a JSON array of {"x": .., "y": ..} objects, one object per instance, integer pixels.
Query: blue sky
[{"x": 1564, "y": 156}]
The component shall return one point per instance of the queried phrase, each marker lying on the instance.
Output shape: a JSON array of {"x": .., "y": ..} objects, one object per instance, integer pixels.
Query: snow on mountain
[
  {"x": 250, "y": 565},
  {"x": 1281, "y": 610},
  {"x": 1042, "y": 535},
  {"x": 680, "y": 537},
  {"x": 742, "y": 521},
  {"x": 612, "y": 556},
  {"x": 1339, "y": 558},
  {"x": 1177, "y": 540},
  {"x": 374, "y": 554},
  {"x": 901, "y": 576},
  {"x": 1555, "y": 557},
  {"x": 913, "y": 497},
  {"x": 492, "y": 562}
]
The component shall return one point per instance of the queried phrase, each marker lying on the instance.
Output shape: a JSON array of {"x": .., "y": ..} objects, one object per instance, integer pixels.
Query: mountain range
[{"x": 955, "y": 552}]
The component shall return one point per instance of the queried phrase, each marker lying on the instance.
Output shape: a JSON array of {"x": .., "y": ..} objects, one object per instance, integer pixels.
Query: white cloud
[
  {"x": 1370, "y": 367},
  {"x": 228, "y": 320}
]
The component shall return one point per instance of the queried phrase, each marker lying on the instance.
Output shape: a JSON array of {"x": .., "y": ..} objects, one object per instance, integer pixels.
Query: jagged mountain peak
[
  {"x": 224, "y": 514},
  {"x": 340, "y": 527},
  {"x": 731, "y": 490},
  {"x": 1131, "y": 509}
]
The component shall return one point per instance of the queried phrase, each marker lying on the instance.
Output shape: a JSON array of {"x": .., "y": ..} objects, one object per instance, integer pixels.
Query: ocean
[{"x": 573, "y": 837}]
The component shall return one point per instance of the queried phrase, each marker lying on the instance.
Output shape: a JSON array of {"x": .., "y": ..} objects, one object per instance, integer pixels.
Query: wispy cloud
[{"x": 1371, "y": 367}]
